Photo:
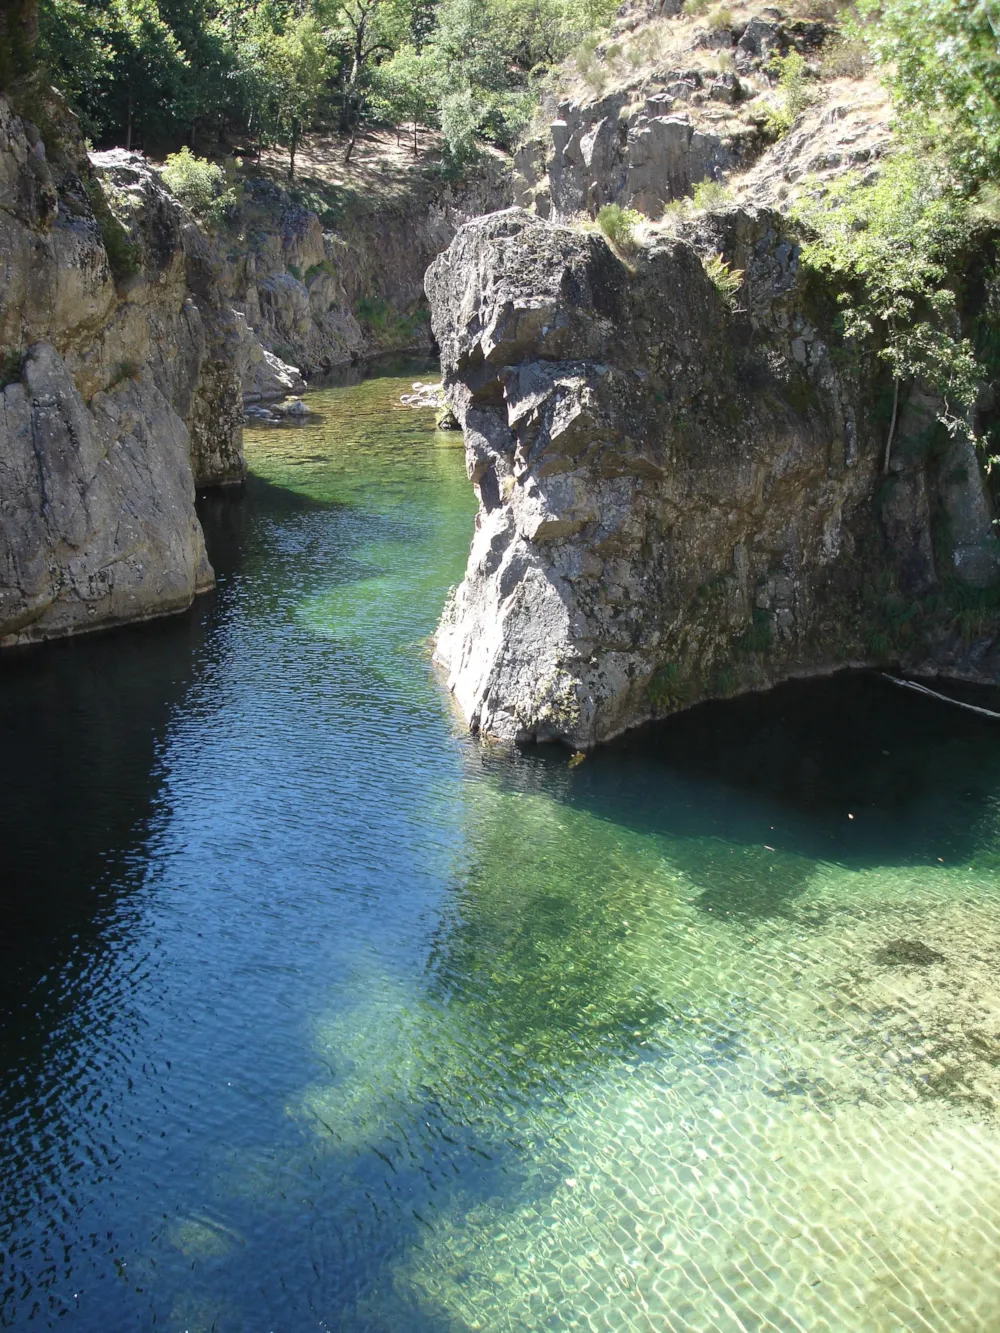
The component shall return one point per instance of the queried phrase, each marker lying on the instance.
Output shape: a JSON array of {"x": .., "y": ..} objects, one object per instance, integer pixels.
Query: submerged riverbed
[{"x": 317, "y": 1014}]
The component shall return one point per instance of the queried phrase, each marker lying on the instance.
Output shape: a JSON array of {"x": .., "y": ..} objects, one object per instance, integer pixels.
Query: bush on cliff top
[
  {"x": 200, "y": 185},
  {"x": 618, "y": 225}
]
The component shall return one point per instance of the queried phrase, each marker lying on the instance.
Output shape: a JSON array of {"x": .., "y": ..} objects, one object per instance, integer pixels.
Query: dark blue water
[{"x": 315, "y": 1014}]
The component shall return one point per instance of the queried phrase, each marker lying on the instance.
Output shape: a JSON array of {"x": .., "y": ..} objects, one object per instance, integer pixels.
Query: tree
[
  {"x": 942, "y": 61},
  {"x": 886, "y": 246},
  {"x": 371, "y": 31},
  {"x": 18, "y": 38},
  {"x": 147, "y": 66},
  {"x": 298, "y": 65},
  {"x": 407, "y": 88}
]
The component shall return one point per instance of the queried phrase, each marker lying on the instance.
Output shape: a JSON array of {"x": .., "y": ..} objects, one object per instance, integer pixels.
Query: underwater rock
[{"x": 907, "y": 953}]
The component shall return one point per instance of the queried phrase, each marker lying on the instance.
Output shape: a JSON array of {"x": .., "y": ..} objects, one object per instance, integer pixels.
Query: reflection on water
[{"x": 319, "y": 1015}]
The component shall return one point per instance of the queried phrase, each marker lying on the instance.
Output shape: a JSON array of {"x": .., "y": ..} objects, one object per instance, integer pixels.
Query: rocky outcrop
[
  {"x": 654, "y": 139},
  {"x": 118, "y": 392},
  {"x": 679, "y": 490}
]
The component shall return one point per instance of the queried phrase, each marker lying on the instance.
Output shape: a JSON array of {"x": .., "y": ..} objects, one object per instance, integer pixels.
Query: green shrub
[
  {"x": 886, "y": 248},
  {"x": 324, "y": 266},
  {"x": 709, "y": 194},
  {"x": 665, "y": 688},
  {"x": 200, "y": 185},
  {"x": 720, "y": 18},
  {"x": 726, "y": 280},
  {"x": 846, "y": 57},
  {"x": 618, "y": 225},
  {"x": 124, "y": 370},
  {"x": 584, "y": 55},
  {"x": 195, "y": 181},
  {"x": 757, "y": 637},
  {"x": 794, "y": 93}
]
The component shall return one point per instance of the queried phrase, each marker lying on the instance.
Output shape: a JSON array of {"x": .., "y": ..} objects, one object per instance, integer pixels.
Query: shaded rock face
[
  {"x": 118, "y": 392},
  {"x": 677, "y": 500},
  {"x": 298, "y": 291}
]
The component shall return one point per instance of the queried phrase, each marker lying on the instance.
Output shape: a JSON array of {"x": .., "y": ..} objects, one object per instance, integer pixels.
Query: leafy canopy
[
  {"x": 941, "y": 59},
  {"x": 887, "y": 244}
]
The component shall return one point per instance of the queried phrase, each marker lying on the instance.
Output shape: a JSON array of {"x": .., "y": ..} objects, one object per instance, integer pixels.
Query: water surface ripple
[{"x": 315, "y": 1014}]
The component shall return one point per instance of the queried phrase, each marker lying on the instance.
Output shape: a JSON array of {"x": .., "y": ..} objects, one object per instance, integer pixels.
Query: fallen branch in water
[{"x": 946, "y": 699}]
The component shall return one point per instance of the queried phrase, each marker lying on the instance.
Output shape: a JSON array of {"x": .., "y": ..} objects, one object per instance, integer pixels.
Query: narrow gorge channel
[{"x": 322, "y": 1014}]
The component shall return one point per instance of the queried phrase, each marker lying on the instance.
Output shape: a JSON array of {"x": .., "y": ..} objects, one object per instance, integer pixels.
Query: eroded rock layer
[{"x": 680, "y": 494}]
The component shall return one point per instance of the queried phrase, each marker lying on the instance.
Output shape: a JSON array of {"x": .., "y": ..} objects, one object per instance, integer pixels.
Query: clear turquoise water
[{"x": 315, "y": 1014}]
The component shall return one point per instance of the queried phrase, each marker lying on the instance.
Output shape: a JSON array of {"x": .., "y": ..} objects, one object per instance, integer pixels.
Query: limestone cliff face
[
  {"x": 118, "y": 392},
  {"x": 678, "y": 499}
]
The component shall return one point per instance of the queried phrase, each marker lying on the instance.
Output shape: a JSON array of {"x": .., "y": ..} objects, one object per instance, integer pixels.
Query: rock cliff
[
  {"x": 696, "y": 111},
  {"x": 679, "y": 492},
  {"x": 311, "y": 294},
  {"x": 118, "y": 389}
]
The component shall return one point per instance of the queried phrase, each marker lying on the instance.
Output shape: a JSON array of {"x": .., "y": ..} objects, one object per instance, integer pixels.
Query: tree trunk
[
  {"x": 350, "y": 149},
  {"x": 892, "y": 427},
  {"x": 415, "y": 152},
  {"x": 18, "y": 38},
  {"x": 128, "y": 125}
]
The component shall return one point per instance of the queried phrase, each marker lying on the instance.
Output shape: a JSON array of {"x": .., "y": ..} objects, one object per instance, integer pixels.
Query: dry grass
[{"x": 381, "y": 161}]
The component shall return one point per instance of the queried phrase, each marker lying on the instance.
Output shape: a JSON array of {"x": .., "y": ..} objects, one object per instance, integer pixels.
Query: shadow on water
[
  {"x": 72, "y": 836},
  {"x": 849, "y": 769}
]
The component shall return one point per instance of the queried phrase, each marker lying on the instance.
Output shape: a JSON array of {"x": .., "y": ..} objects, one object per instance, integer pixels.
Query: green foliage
[
  {"x": 665, "y": 688},
  {"x": 720, "y": 18},
  {"x": 886, "y": 246},
  {"x": 941, "y": 60},
  {"x": 314, "y": 270},
  {"x": 388, "y": 327},
  {"x": 794, "y": 94},
  {"x": 121, "y": 250},
  {"x": 297, "y": 65},
  {"x": 124, "y": 370},
  {"x": 195, "y": 181},
  {"x": 172, "y": 71},
  {"x": 725, "y": 681},
  {"x": 757, "y": 637},
  {"x": 618, "y": 225},
  {"x": 710, "y": 194},
  {"x": 11, "y": 363},
  {"x": 726, "y": 280}
]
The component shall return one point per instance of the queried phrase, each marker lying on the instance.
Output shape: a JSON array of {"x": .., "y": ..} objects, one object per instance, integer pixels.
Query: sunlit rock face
[
  {"x": 679, "y": 494},
  {"x": 119, "y": 388}
]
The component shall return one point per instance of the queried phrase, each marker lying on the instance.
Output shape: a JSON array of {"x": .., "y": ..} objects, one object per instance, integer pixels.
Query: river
[{"x": 317, "y": 1014}]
